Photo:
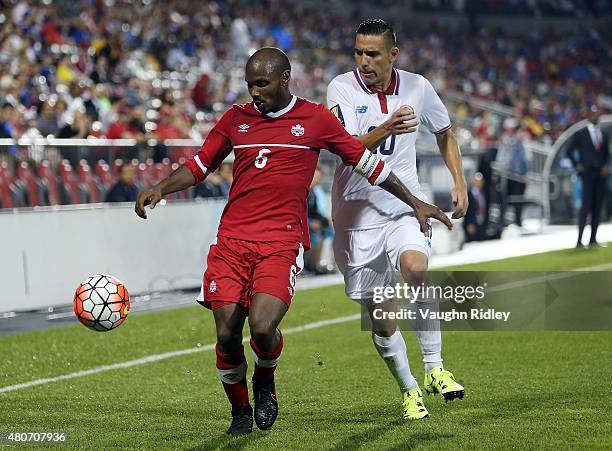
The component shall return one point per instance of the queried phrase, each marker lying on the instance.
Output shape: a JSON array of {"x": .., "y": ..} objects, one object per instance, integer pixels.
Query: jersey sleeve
[
  {"x": 340, "y": 103},
  {"x": 434, "y": 114},
  {"x": 352, "y": 152},
  {"x": 217, "y": 146}
]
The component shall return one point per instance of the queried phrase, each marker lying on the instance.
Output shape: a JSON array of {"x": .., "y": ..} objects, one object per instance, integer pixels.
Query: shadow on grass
[
  {"x": 371, "y": 434},
  {"x": 224, "y": 441},
  {"x": 421, "y": 438}
]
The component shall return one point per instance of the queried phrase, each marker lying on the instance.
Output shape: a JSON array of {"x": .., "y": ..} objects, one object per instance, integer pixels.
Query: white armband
[{"x": 367, "y": 164}]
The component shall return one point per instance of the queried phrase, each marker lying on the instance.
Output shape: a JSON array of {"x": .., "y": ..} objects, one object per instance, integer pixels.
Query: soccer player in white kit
[{"x": 375, "y": 233}]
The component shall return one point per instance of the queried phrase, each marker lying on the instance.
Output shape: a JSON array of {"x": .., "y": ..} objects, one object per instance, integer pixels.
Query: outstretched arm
[
  {"x": 214, "y": 150},
  {"x": 422, "y": 210},
  {"x": 177, "y": 181},
  {"x": 449, "y": 148}
]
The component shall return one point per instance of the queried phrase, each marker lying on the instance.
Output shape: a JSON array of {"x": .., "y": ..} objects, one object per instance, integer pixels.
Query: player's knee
[
  {"x": 382, "y": 327},
  {"x": 414, "y": 267},
  {"x": 262, "y": 330},
  {"x": 414, "y": 272},
  {"x": 384, "y": 330},
  {"x": 228, "y": 338}
]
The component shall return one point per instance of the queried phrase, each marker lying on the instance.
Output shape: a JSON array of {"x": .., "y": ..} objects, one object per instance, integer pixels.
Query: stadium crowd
[
  {"x": 536, "y": 8},
  {"x": 144, "y": 69}
]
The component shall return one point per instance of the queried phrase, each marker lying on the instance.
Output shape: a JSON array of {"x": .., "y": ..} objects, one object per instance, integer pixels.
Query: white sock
[
  {"x": 428, "y": 332},
  {"x": 393, "y": 351}
]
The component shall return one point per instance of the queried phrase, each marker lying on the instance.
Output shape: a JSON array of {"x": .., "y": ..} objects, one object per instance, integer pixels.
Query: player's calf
[
  {"x": 264, "y": 390},
  {"x": 231, "y": 368}
]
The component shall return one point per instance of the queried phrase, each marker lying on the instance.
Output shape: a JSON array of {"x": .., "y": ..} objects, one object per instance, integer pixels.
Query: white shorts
[{"x": 369, "y": 258}]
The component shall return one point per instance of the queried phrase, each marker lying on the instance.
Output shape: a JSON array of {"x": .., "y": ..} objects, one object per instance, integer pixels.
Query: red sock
[
  {"x": 231, "y": 367},
  {"x": 266, "y": 362}
]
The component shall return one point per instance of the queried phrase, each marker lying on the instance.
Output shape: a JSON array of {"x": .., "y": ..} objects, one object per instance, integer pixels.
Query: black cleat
[
  {"x": 449, "y": 396},
  {"x": 242, "y": 421},
  {"x": 266, "y": 406}
]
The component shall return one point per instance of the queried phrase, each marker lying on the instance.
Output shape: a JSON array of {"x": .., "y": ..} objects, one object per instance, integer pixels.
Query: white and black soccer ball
[{"x": 101, "y": 302}]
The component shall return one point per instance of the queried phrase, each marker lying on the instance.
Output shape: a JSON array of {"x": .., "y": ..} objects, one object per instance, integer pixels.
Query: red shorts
[{"x": 237, "y": 269}]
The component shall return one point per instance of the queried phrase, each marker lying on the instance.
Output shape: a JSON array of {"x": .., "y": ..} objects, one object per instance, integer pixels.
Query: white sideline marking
[
  {"x": 167, "y": 355},
  {"x": 331, "y": 280}
]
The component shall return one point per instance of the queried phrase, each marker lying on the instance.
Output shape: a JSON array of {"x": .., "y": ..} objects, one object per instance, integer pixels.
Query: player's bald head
[
  {"x": 269, "y": 60},
  {"x": 267, "y": 74}
]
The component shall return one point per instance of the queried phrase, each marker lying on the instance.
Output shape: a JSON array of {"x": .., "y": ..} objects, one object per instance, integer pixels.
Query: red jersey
[{"x": 276, "y": 155}]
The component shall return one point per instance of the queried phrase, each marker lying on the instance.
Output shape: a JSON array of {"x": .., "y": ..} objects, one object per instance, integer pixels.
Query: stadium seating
[
  {"x": 10, "y": 193},
  {"x": 29, "y": 182},
  {"x": 48, "y": 177},
  {"x": 47, "y": 186},
  {"x": 72, "y": 189},
  {"x": 145, "y": 174},
  {"x": 552, "y": 77},
  {"x": 103, "y": 171},
  {"x": 90, "y": 182}
]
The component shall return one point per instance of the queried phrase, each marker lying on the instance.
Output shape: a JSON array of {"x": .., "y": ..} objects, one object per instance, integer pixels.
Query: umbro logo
[
  {"x": 243, "y": 128},
  {"x": 297, "y": 130}
]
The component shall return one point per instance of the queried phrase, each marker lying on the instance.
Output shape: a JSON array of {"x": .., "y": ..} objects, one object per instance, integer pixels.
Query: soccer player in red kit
[{"x": 252, "y": 268}]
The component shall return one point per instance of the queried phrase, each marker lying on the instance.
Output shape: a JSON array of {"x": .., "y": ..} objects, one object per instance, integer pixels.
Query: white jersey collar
[{"x": 284, "y": 110}]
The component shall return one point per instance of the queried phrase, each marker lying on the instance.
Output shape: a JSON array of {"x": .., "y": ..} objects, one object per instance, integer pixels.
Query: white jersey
[{"x": 356, "y": 205}]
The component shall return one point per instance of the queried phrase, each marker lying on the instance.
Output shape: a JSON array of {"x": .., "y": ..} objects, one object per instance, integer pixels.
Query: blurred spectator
[
  {"x": 589, "y": 152},
  {"x": 7, "y": 116},
  {"x": 101, "y": 72},
  {"x": 47, "y": 123},
  {"x": 167, "y": 70},
  {"x": 225, "y": 172},
  {"x": 319, "y": 225},
  {"x": 513, "y": 162},
  {"x": 475, "y": 221},
  {"x": 172, "y": 125},
  {"x": 79, "y": 128},
  {"x": 210, "y": 187},
  {"x": 216, "y": 184},
  {"x": 126, "y": 126},
  {"x": 157, "y": 53},
  {"x": 201, "y": 93},
  {"x": 125, "y": 189}
]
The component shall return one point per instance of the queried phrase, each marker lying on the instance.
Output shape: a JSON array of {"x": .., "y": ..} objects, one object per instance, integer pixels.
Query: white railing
[{"x": 91, "y": 142}]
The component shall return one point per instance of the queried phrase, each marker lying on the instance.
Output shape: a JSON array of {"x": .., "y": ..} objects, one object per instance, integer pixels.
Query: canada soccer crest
[{"x": 297, "y": 130}]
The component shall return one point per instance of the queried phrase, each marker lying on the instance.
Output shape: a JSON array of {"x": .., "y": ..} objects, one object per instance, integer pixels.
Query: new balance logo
[
  {"x": 243, "y": 128},
  {"x": 361, "y": 109}
]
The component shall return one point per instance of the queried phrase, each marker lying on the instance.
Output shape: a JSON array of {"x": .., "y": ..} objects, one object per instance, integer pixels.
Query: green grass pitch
[{"x": 526, "y": 390}]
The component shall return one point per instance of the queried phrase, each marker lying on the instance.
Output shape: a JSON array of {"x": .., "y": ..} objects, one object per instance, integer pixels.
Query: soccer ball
[{"x": 101, "y": 303}]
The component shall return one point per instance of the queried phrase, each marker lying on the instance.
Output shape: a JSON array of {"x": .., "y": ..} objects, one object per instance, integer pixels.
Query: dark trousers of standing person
[
  {"x": 593, "y": 189},
  {"x": 516, "y": 188}
]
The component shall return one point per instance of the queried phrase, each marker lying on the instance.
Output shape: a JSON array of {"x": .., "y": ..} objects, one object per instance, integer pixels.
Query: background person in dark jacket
[
  {"x": 589, "y": 152},
  {"x": 514, "y": 162},
  {"x": 475, "y": 221},
  {"x": 125, "y": 189}
]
